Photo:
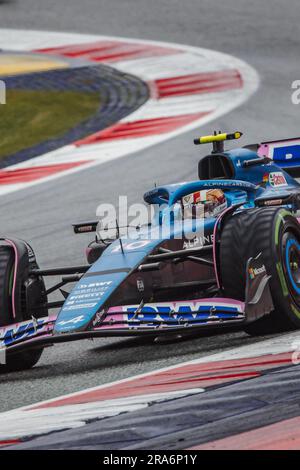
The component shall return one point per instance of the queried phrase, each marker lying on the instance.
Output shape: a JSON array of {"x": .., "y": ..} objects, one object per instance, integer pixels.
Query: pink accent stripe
[
  {"x": 114, "y": 318},
  {"x": 189, "y": 376},
  {"x": 284, "y": 435},
  {"x": 203, "y": 301},
  {"x": 110, "y": 51},
  {"x": 225, "y": 302},
  {"x": 265, "y": 149},
  {"x": 143, "y": 128},
  {"x": 24, "y": 175},
  {"x": 209, "y": 82}
]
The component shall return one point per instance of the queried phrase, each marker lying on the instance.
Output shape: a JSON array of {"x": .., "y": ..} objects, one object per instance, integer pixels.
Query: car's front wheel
[{"x": 12, "y": 309}]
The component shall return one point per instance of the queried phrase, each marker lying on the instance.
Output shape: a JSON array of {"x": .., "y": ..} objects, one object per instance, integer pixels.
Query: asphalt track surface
[{"x": 265, "y": 34}]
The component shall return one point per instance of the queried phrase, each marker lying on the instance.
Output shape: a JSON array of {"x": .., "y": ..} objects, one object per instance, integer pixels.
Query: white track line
[{"x": 16, "y": 424}]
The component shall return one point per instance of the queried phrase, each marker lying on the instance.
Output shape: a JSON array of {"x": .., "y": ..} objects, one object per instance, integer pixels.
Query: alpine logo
[
  {"x": 72, "y": 321},
  {"x": 198, "y": 241}
]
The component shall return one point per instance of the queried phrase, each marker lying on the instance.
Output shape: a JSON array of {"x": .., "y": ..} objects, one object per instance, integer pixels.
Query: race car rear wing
[{"x": 285, "y": 153}]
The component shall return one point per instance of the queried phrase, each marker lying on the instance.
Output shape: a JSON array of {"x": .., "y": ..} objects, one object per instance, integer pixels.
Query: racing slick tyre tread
[
  {"x": 6, "y": 271},
  {"x": 245, "y": 235},
  {"x": 23, "y": 360}
]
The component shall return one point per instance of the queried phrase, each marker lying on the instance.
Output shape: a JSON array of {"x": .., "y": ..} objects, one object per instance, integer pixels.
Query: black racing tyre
[
  {"x": 7, "y": 263},
  {"x": 23, "y": 360},
  {"x": 95, "y": 250},
  {"x": 275, "y": 233}
]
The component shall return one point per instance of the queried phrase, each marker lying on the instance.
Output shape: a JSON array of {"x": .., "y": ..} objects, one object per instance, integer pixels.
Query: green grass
[{"x": 32, "y": 117}]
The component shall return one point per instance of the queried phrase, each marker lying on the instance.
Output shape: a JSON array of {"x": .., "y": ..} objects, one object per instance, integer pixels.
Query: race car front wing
[{"x": 151, "y": 319}]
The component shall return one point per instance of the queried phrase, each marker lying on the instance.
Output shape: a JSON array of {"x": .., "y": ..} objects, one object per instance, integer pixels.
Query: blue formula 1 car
[{"x": 222, "y": 251}]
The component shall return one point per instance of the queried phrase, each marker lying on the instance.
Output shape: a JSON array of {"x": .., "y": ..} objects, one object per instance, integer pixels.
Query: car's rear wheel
[
  {"x": 8, "y": 316},
  {"x": 275, "y": 233}
]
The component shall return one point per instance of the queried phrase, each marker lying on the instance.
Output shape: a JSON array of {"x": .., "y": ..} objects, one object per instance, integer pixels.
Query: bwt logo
[{"x": 2, "y": 92}]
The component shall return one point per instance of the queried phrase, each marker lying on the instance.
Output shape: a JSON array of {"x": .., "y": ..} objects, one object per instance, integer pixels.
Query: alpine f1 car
[{"x": 234, "y": 262}]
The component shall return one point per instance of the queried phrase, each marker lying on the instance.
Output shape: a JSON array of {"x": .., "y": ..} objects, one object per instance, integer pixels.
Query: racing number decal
[{"x": 131, "y": 246}]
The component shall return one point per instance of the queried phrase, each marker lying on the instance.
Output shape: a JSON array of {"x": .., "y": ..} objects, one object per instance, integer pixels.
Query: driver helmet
[{"x": 205, "y": 203}]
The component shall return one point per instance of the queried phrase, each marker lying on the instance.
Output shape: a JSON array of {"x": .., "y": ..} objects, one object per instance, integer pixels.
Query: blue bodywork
[{"x": 249, "y": 185}]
